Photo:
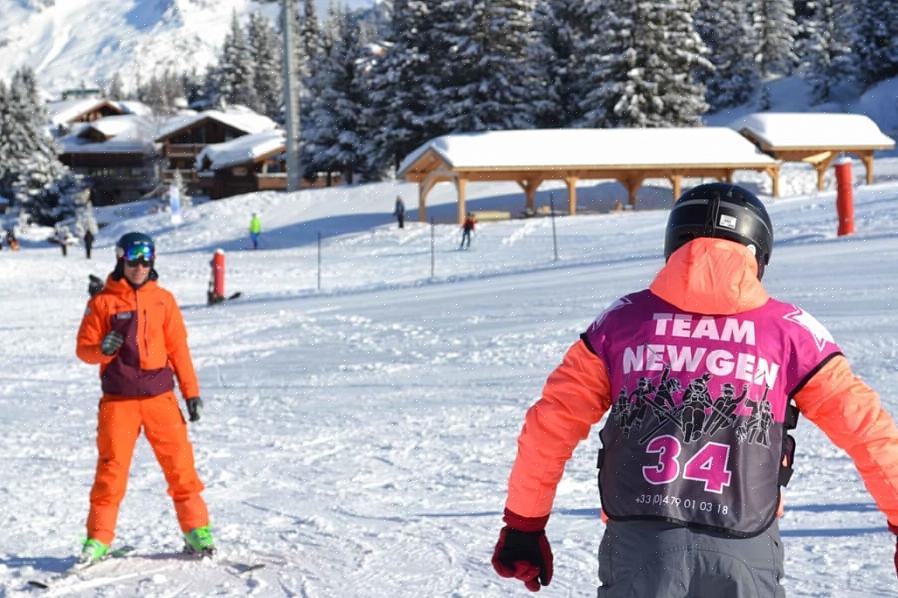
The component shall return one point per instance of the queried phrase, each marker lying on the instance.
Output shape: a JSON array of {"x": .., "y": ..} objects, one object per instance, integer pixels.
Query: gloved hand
[
  {"x": 194, "y": 407},
  {"x": 523, "y": 551},
  {"x": 894, "y": 529},
  {"x": 112, "y": 342}
]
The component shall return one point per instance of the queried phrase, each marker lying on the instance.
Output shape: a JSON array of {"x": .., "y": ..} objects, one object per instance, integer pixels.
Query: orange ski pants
[{"x": 119, "y": 424}]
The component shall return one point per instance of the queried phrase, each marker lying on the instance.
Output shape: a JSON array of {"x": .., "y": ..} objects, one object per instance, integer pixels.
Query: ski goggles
[{"x": 139, "y": 253}]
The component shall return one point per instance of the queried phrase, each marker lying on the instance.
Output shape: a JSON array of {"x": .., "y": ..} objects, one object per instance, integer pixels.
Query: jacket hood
[{"x": 711, "y": 276}]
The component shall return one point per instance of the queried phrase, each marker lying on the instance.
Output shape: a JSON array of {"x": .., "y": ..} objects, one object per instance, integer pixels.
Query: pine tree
[
  {"x": 401, "y": 87},
  {"x": 31, "y": 174},
  {"x": 646, "y": 57},
  {"x": 562, "y": 26},
  {"x": 775, "y": 28},
  {"x": 116, "y": 89},
  {"x": 235, "y": 68},
  {"x": 265, "y": 55},
  {"x": 334, "y": 141},
  {"x": 726, "y": 30},
  {"x": 877, "y": 39},
  {"x": 830, "y": 61},
  {"x": 498, "y": 76}
]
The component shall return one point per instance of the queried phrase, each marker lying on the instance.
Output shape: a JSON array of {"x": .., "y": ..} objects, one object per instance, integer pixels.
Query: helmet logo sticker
[{"x": 727, "y": 221}]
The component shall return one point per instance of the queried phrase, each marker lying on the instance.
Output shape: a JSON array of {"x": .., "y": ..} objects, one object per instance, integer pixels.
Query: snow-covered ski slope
[{"x": 357, "y": 440}]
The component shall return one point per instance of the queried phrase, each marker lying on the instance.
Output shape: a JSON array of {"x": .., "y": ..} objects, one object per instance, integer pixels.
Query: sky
[{"x": 357, "y": 438}]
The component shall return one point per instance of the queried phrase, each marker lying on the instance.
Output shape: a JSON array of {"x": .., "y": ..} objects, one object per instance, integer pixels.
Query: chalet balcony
[
  {"x": 183, "y": 150},
  {"x": 274, "y": 181},
  {"x": 187, "y": 175}
]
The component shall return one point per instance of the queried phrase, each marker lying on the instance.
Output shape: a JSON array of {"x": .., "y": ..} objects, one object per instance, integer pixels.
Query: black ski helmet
[
  {"x": 723, "y": 211},
  {"x": 127, "y": 240}
]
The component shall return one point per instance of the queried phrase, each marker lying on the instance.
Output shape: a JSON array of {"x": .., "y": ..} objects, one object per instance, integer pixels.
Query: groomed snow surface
[{"x": 357, "y": 439}]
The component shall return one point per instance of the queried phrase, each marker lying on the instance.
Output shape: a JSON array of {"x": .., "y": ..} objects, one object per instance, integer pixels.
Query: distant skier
[
  {"x": 399, "y": 211},
  {"x": 695, "y": 518},
  {"x": 467, "y": 228},
  {"x": 88, "y": 242},
  {"x": 255, "y": 230},
  {"x": 62, "y": 238},
  {"x": 134, "y": 330},
  {"x": 11, "y": 240}
]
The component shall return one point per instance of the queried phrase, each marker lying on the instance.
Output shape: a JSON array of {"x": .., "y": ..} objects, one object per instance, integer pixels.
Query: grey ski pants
[{"x": 649, "y": 559}]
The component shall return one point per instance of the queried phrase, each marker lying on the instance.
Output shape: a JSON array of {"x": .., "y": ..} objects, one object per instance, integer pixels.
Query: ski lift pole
[
  {"x": 554, "y": 236},
  {"x": 319, "y": 260},
  {"x": 432, "y": 252}
]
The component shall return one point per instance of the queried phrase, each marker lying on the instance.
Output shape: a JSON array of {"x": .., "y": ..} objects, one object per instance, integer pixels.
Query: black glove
[
  {"x": 194, "y": 407},
  {"x": 524, "y": 554},
  {"x": 112, "y": 342}
]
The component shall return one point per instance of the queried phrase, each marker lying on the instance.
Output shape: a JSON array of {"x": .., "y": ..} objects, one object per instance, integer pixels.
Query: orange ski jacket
[
  {"x": 155, "y": 346},
  {"x": 705, "y": 276}
]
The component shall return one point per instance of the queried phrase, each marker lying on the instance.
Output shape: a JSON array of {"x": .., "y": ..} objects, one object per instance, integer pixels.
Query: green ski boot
[
  {"x": 92, "y": 551},
  {"x": 199, "y": 541}
]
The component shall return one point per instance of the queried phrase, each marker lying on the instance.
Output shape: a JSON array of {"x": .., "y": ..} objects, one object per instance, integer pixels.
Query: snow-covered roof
[
  {"x": 794, "y": 130},
  {"x": 127, "y": 133},
  {"x": 65, "y": 111},
  {"x": 134, "y": 107},
  {"x": 593, "y": 148},
  {"x": 237, "y": 117},
  {"x": 241, "y": 150}
]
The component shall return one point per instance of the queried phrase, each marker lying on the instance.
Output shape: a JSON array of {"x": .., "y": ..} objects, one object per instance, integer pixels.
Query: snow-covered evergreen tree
[
  {"x": 265, "y": 52},
  {"x": 646, "y": 62},
  {"x": 725, "y": 28},
  {"x": 333, "y": 141},
  {"x": 116, "y": 89},
  {"x": 775, "y": 28},
  {"x": 30, "y": 172},
  {"x": 562, "y": 26},
  {"x": 498, "y": 80},
  {"x": 829, "y": 59},
  {"x": 877, "y": 38},
  {"x": 401, "y": 86},
  {"x": 236, "y": 84}
]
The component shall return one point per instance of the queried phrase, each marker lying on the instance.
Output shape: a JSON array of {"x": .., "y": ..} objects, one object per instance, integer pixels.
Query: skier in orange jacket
[
  {"x": 134, "y": 330},
  {"x": 703, "y": 376}
]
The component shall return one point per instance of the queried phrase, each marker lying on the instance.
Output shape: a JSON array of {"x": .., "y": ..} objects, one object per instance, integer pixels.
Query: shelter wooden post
[
  {"x": 632, "y": 183},
  {"x": 529, "y": 186},
  {"x": 867, "y": 159},
  {"x": 774, "y": 173},
  {"x": 424, "y": 188},
  {"x": 677, "y": 182},
  {"x": 460, "y": 184},
  {"x": 571, "y": 182}
]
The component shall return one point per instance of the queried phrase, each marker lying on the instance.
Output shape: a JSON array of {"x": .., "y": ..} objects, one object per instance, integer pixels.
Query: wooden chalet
[
  {"x": 183, "y": 138},
  {"x": 65, "y": 113},
  {"x": 249, "y": 163},
  {"x": 630, "y": 156},
  {"x": 116, "y": 155},
  {"x": 816, "y": 139}
]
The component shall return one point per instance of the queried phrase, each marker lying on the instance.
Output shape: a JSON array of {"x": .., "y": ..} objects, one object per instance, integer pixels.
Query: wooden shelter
[
  {"x": 250, "y": 163},
  {"x": 816, "y": 139},
  {"x": 630, "y": 156}
]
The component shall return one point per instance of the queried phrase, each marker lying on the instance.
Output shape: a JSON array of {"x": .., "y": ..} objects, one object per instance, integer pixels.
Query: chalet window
[{"x": 239, "y": 171}]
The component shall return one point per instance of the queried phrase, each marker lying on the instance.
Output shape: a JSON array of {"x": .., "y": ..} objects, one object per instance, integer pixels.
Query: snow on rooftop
[
  {"x": 64, "y": 111},
  {"x": 784, "y": 130},
  {"x": 134, "y": 107},
  {"x": 127, "y": 133},
  {"x": 584, "y": 148},
  {"x": 240, "y": 150},
  {"x": 238, "y": 117}
]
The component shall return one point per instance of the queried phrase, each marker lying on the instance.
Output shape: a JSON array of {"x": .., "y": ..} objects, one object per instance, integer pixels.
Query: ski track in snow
[{"x": 358, "y": 440}]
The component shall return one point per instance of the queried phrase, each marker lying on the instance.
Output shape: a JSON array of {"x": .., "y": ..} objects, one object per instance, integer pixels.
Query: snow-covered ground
[{"x": 357, "y": 439}]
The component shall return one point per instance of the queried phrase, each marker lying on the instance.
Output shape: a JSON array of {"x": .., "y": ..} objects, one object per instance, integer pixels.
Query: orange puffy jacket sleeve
[
  {"x": 849, "y": 413},
  {"x": 576, "y": 396}
]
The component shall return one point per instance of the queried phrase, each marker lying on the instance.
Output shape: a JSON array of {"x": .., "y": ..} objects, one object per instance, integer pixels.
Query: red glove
[
  {"x": 894, "y": 529},
  {"x": 523, "y": 551}
]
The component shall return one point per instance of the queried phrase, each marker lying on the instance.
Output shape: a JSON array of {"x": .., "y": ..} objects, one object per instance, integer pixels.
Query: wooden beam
[
  {"x": 677, "y": 182},
  {"x": 424, "y": 188},
  {"x": 822, "y": 167},
  {"x": 460, "y": 185},
  {"x": 571, "y": 182},
  {"x": 867, "y": 159},
  {"x": 774, "y": 173},
  {"x": 632, "y": 182}
]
